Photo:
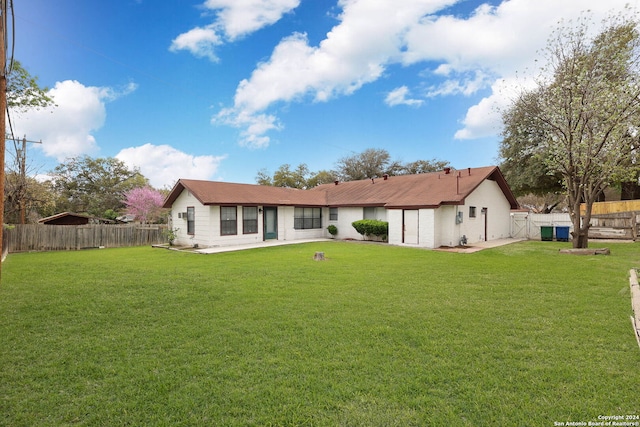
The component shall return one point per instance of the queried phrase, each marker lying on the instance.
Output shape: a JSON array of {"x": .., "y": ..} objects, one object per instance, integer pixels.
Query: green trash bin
[{"x": 546, "y": 232}]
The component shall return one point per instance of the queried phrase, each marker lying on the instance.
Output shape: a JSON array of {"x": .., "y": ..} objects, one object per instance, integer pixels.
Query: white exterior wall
[
  {"x": 345, "y": 217},
  {"x": 427, "y": 228},
  {"x": 427, "y": 232},
  {"x": 394, "y": 216},
  {"x": 447, "y": 232},
  {"x": 202, "y": 223},
  {"x": 438, "y": 227},
  {"x": 286, "y": 223},
  {"x": 488, "y": 195},
  {"x": 207, "y": 225}
]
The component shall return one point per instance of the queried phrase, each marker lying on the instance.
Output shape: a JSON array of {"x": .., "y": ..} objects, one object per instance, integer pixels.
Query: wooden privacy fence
[
  {"x": 604, "y": 208},
  {"x": 40, "y": 237},
  {"x": 621, "y": 225}
]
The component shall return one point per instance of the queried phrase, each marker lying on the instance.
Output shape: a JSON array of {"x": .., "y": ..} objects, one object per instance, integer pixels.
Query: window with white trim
[
  {"x": 249, "y": 219},
  {"x": 228, "y": 220},
  {"x": 191, "y": 220},
  {"x": 333, "y": 214},
  {"x": 307, "y": 218}
]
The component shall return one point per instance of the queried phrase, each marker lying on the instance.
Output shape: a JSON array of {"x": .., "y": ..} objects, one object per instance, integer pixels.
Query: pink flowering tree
[{"x": 145, "y": 203}]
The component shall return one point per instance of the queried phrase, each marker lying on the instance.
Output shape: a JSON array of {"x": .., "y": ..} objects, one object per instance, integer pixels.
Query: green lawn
[{"x": 376, "y": 335}]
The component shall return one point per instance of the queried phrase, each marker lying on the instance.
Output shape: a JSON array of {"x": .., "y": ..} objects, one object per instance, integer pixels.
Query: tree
[
  {"x": 300, "y": 177},
  {"x": 285, "y": 177},
  {"x": 371, "y": 163},
  {"x": 145, "y": 203},
  {"x": 26, "y": 199},
  {"x": 23, "y": 94},
  {"x": 263, "y": 177},
  {"x": 522, "y": 150},
  {"x": 584, "y": 113},
  {"x": 374, "y": 162},
  {"x": 93, "y": 186},
  {"x": 321, "y": 177},
  {"x": 424, "y": 166}
]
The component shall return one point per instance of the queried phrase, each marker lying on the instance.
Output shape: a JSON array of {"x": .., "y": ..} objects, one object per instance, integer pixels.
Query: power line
[{"x": 4, "y": 9}]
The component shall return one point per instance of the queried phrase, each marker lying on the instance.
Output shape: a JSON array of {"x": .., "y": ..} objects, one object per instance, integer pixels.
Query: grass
[{"x": 375, "y": 335}]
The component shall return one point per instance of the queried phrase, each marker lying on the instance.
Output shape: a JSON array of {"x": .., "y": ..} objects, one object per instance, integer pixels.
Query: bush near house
[{"x": 372, "y": 227}]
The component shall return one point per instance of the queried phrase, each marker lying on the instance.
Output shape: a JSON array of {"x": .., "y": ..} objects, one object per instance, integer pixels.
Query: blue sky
[{"x": 220, "y": 89}]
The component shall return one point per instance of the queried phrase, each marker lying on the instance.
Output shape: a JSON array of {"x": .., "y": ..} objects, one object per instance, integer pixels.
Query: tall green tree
[
  {"x": 375, "y": 162},
  {"x": 584, "y": 113},
  {"x": 23, "y": 194},
  {"x": 94, "y": 186},
  {"x": 423, "y": 166},
  {"x": 23, "y": 91},
  {"x": 371, "y": 163},
  {"x": 26, "y": 199},
  {"x": 300, "y": 177},
  {"x": 522, "y": 150}
]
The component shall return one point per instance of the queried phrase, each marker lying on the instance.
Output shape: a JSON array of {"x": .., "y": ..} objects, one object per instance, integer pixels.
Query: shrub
[
  {"x": 372, "y": 227},
  {"x": 332, "y": 229}
]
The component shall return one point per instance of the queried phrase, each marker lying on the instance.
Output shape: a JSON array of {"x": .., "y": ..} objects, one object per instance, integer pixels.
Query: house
[
  {"x": 70, "y": 218},
  {"x": 429, "y": 210}
]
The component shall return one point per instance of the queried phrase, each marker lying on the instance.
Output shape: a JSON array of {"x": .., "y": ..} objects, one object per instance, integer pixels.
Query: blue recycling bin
[{"x": 562, "y": 234}]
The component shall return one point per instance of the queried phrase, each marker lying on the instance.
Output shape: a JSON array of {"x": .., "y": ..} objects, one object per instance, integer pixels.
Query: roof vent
[
  {"x": 336, "y": 182},
  {"x": 385, "y": 176},
  {"x": 447, "y": 170}
]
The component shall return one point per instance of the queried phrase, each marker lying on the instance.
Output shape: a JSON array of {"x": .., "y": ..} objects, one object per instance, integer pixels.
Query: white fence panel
[{"x": 527, "y": 225}]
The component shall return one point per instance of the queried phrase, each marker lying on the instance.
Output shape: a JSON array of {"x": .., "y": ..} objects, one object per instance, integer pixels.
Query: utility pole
[{"x": 3, "y": 125}]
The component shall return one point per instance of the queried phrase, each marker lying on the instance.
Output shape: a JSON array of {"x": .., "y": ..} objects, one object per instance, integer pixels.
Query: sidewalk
[
  {"x": 475, "y": 247},
  {"x": 478, "y": 246}
]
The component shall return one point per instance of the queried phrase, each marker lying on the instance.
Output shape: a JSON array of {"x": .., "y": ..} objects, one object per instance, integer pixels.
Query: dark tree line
[{"x": 371, "y": 163}]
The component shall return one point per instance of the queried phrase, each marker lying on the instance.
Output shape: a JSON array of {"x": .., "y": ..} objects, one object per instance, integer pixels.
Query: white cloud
[
  {"x": 398, "y": 96},
  {"x": 233, "y": 19},
  {"x": 66, "y": 130},
  {"x": 355, "y": 52},
  {"x": 199, "y": 41},
  {"x": 163, "y": 165},
  {"x": 494, "y": 43},
  {"x": 238, "y": 18},
  {"x": 471, "y": 54}
]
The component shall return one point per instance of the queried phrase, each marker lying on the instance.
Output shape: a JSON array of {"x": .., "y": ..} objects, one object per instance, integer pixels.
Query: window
[
  {"x": 249, "y": 219},
  {"x": 369, "y": 213},
  {"x": 333, "y": 214},
  {"x": 228, "y": 220},
  {"x": 472, "y": 211},
  {"x": 191, "y": 220},
  {"x": 305, "y": 218}
]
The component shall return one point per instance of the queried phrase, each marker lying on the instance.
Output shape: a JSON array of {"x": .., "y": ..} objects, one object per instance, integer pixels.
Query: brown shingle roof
[
  {"x": 226, "y": 193},
  {"x": 427, "y": 190}
]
